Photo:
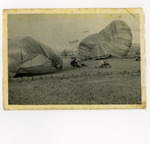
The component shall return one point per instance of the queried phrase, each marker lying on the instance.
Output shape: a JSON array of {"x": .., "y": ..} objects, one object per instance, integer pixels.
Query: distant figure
[
  {"x": 103, "y": 64},
  {"x": 137, "y": 56},
  {"x": 76, "y": 62}
]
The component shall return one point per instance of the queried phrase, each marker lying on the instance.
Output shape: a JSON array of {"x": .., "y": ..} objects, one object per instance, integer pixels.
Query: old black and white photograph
[{"x": 78, "y": 59}]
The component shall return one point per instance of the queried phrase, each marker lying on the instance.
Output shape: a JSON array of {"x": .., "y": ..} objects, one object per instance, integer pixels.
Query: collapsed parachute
[
  {"x": 28, "y": 56},
  {"x": 115, "y": 39}
]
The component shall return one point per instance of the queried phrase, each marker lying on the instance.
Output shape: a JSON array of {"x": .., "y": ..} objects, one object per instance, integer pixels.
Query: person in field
[
  {"x": 77, "y": 62},
  {"x": 103, "y": 64},
  {"x": 137, "y": 56}
]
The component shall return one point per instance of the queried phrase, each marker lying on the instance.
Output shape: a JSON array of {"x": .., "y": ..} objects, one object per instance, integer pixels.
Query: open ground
[{"x": 120, "y": 84}]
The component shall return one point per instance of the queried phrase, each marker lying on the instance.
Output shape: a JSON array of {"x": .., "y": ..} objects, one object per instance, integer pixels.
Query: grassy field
[{"x": 88, "y": 85}]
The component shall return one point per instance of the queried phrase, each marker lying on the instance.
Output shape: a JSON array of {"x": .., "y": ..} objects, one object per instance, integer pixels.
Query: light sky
[{"x": 56, "y": 30}]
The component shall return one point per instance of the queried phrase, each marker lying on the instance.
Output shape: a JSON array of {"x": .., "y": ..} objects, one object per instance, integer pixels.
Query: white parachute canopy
[
  {"x": 26, "y": 55},
  {"x": 115, "y": 39}
]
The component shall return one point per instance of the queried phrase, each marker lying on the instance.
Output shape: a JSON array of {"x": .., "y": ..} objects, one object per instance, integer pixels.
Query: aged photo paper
[{"x": 74, "y": 59}]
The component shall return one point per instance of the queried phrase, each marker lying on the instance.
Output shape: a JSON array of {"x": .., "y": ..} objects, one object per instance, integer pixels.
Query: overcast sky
[{"x": 56, "y": 30}]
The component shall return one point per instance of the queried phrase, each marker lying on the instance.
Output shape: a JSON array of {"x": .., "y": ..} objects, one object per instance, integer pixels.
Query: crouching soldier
[
  {"x": 103, "y": 64},
  {"x": 75, "y": 62}
]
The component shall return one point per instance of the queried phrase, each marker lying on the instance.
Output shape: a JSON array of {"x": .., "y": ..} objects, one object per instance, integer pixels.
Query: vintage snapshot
[{"x": 74, "y": 59}]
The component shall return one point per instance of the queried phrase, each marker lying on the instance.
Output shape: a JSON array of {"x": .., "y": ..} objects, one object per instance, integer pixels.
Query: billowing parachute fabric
[
  {"x": 115, "y": 39},
  {"x": 26, "y": 55}
]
